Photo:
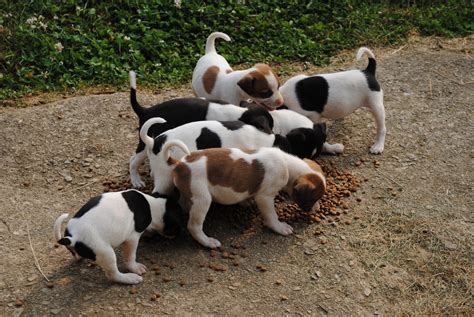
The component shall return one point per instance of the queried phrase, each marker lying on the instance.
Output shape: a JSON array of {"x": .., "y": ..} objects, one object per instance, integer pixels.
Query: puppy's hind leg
[
  {"x": 137, "y": 158},
  {"x": 130, "y": 252},
  {"x": 378, "y": 111},
  {"x": 107, "y": 260},
  {"x": 197, "y": 215},
  {"x": 267, "y": 208}
]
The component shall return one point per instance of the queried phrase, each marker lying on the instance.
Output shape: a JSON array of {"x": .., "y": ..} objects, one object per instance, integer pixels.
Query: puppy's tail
[
  {"x": 148, "y": 140},
  {"x": 372, "y": 63},
  {"x": 57, "y": 230},
  {"x": 133, "y": 94},
  {"x": 210, "y": 48},
  {"x": 169, "y": 145}
]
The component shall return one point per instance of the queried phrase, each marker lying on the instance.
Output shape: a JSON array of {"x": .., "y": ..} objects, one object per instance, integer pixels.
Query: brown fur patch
[
  {"x": 237, "y": 174},
  {"x": 308, "y": 189},
  {"x": 314, "y": 166},
  {"x": 194, "y": 156},
  {"x": 254, "y": 83},
  {"x": 267, "y": 70},
  {"x": 209, "y": 78},
  {"x": 182, "y": 180},
  {"x": 249, "y": 151}
]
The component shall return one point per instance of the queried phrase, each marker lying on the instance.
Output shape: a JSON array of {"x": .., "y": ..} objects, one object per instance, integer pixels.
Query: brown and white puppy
[
  {"x": 229, "y": 176},
  {"x": 213, "y": 78}
]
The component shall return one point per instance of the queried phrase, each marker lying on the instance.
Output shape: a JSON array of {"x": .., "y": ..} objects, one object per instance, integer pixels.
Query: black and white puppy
[
  {"x": 336, "y": 95},
  {"x": 305, "y": 138},
  {"x": 113, "y": 219},
  {"x": 201, "y": 135},
  {"x": 180, "y": 111}
]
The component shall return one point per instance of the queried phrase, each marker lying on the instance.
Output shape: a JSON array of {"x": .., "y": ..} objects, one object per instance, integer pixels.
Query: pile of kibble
[{"x": 339, "y": 186}]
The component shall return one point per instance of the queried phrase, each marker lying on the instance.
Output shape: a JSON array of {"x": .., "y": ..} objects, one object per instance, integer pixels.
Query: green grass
[{"x": 64, "y": 45}]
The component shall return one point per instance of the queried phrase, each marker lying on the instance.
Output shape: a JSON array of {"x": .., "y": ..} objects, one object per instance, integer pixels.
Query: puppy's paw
[
  {"x": 137, "y": 268},
  {"x": 376, "y": 148},
  {"x": 336, "y": 148},
  {"x": 213, "y": 243},
  {"x": 128, "y": 278},
  {"x": 137, "y": 182},
  {"x": 282, "y": 228}
]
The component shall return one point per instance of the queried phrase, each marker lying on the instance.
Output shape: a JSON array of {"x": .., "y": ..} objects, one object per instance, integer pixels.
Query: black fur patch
[
  {"x": 282, "y": 143},
  {"x": 208, "y": 139},
  {"x": 140, "y": 208},
  {"x": 67, "y": 233},
  {"x": 312, "y": 93},
  {"x": 173, "y": 218},
  {"x": 257, "y": 116},
  {"x": 233, "y": 125},
  {"x": 64, "y": 241},
  {"x": 158, "y": 144},
  {"x": 305, "y": 141},
  {"x": 84, "y": 251},
  {"x": 88, "y": 206}
]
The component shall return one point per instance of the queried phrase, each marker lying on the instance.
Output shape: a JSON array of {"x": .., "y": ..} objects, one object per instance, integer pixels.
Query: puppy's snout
[{"x": 279, "y": 102}]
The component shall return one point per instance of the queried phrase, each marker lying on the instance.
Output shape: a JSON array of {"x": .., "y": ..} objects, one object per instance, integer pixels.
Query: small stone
[
  {"x": 351, "y": 263},
  {"x": 133, "y": 290},
  {"x": 55, "y": 311},
  {"x": 166, "y": 279},
  {"x": 367, "y": 291},
  {"x": 323, "y": 240},
  {"x": 283, "y": 298},
  {"x": 210, "y": 279},
  {"x": 278, "y": 282}
]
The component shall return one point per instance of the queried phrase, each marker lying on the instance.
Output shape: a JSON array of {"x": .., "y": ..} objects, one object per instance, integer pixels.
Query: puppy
[
  {"x": 200, "y": 135},
  {"x": 180, "y": 111},
  {"x": 229, "y": 176},
  {"x": 336, "y": 95},
  {"x": 213, "y": 78},
  {"x": 306, "y": 139},
  {"x": 112, "y": 219}
]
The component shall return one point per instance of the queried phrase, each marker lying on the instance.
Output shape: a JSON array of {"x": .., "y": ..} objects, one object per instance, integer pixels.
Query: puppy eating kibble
[
  {"x": 230, "y": 176},
  {"x": 113, "y": 219},
  {"x": 201, "y": 135},
  {"x": 336, "y": 95},
  {"x": 180, "y": 111},
  {"x": 306, "y": 139},
  {"x": 213, "y": 78}
]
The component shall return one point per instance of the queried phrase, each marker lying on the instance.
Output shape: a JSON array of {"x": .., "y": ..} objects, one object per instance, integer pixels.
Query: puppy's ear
[
  {"x": 64, "y": 241},
  {"x": 297, "y": 140},
  {"x": 247, "y": 83},
  {"x": 173, "y": 218},
  {"x": 303, "y": 195}
]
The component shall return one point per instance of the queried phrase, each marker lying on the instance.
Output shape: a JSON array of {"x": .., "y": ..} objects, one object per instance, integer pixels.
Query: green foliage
[{"x": 51, "y": 44}]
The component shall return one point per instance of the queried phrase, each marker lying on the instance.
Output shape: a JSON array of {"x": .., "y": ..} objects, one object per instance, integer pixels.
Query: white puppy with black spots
[
  {"x": 229, "y": 176},
  {"x": 113, "y": 219},
  {"x": 336, "y": 95},
  {"x": 213, "y": 78},
  {"x": 200, "y": 135}
]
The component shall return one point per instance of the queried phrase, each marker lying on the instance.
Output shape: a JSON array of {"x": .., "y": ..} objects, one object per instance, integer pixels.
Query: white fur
[
  {"x": 133, "y": 79},
  {"x": 226, "y": 87},
  {"x": 282, "y": 170},
  {"x": 285, "y": 120},
  {"x": 348, "y": 91},
  {"x": 109, "y": 225},
  {"x": 246, "y": 137}
]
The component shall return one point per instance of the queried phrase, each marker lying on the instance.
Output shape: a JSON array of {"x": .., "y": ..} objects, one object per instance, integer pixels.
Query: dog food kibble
[
  {"x": 166, "y": 279},
  {"x": 133, "y": 290},
  {"x": 210, "y": 279},
  {"x": 19, "y": 302},
  {"x": 283, "y": 298}
]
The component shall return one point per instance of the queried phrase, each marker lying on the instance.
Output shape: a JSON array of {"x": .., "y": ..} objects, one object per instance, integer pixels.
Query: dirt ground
[{"x": 404, "y": 245}]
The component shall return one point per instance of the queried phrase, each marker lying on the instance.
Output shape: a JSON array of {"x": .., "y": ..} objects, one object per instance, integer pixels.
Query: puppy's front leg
[
  {"x": 129, "y": 254},
  {"x": 197, "y": 215},
  {"x": 267, "y": 208},
  {"x": 107, "y": 260}
]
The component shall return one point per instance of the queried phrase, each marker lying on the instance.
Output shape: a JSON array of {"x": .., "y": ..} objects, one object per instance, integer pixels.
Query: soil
[{"x": 401, "y": 243}]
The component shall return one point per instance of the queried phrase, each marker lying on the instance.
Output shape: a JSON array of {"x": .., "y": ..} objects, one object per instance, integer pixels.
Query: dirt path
[{"x": 404, "y": 245}]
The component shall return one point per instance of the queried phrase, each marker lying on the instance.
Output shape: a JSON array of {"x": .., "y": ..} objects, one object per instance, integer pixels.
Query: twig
[
  {"x": 82, "y": 186},
  {"x": 390, "y": 179},
  {"x": 398, "y": 50},
  {"x": 431, "y": 90},
  {"x": 33, "y": 251}
]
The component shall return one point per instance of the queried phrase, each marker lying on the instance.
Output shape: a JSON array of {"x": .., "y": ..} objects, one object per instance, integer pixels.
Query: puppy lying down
[
  {"x": 230, "y": 175},
  {"x": 113, "y": 219}
]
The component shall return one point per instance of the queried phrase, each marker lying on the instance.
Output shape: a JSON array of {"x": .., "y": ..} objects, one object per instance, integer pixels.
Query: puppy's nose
[{"x": 279, "y": 102}]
